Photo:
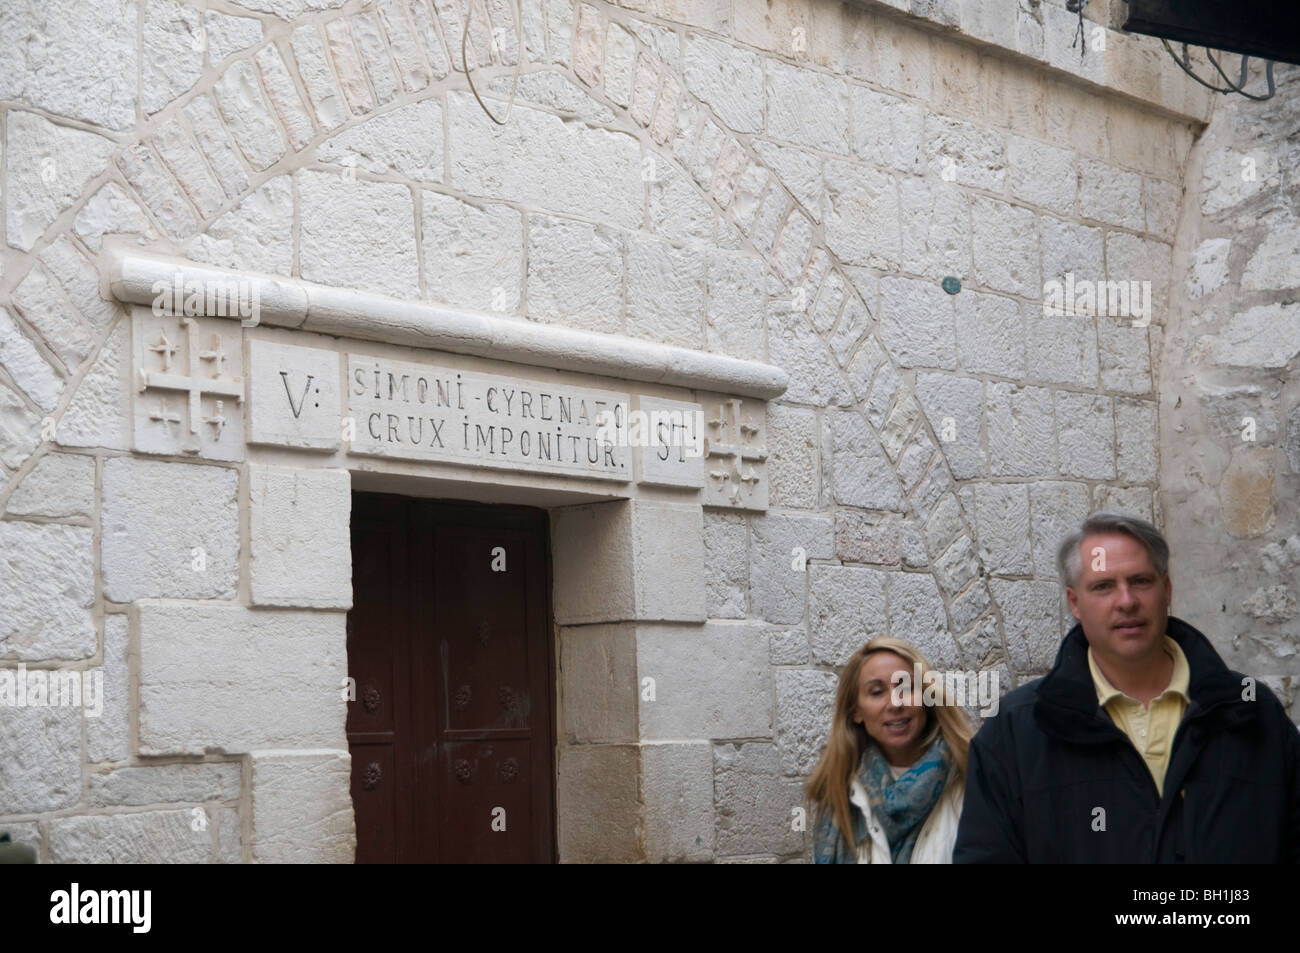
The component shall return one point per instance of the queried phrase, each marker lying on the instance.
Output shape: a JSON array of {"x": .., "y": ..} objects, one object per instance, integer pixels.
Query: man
[{"x": 1140, "y": 746}]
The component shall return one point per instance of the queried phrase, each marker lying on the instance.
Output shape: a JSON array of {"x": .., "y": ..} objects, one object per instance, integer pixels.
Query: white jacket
[{"x": 938, "y": 834}]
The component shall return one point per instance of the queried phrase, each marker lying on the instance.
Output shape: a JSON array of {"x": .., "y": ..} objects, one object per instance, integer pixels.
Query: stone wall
[
  {"x": 1229, "y": 397},
  {"x": 785, "y": 182}
]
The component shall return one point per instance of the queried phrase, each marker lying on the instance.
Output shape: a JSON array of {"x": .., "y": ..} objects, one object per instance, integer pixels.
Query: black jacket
[{"x": 1042, "y": 767}]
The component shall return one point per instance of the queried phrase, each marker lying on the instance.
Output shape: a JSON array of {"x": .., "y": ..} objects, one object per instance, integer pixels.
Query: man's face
[{"x": 1121, "y": 600}]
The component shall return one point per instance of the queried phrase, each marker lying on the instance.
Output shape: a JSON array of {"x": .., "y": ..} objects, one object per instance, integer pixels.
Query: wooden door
[{"x": 452, "y": 728}]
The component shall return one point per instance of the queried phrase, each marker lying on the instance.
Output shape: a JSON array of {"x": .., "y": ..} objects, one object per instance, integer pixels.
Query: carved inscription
[
  {"x": 429, "y": 412},
  {"x": 293, "y": 396}
]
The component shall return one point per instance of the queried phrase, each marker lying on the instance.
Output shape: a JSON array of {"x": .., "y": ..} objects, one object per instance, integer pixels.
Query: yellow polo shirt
[{"x": 1151, "y": 729}]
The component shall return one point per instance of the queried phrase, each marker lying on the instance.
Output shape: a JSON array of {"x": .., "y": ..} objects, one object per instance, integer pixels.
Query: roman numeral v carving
[{"x": 284, "y": 376}]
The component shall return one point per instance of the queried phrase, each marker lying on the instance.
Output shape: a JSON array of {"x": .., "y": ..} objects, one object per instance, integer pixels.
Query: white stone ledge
[
  {"x": 293, "y": 303},
  {"x": 1133, "y": 64}
]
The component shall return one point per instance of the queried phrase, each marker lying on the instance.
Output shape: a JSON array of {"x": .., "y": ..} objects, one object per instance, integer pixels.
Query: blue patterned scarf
[{"x": 902, "y": 806}]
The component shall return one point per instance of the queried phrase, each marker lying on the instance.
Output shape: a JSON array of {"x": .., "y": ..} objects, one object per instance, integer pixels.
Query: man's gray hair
[{"x": 1069, "y": 561}]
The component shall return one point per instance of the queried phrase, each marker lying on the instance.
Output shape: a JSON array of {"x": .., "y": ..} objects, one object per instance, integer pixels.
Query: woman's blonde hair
[{"x": 828, "y": 787}]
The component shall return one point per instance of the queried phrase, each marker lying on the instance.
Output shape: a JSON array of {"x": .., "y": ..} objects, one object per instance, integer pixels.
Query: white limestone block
[
  {"x": 97, "y": 415},
  {"x": 918, "y": 323},
  {"x": 846, "y": 607},
  {"x": 861, "y": 214},
  {"x": 285, "y": 101},
  {"x": 665, "y": 291},
  {"x": 1111, "y": 195},
  {"x": 302, "y": 807},
  {"x": 1085, "y": 434},
  {"x": 1208, "y": 269},
  {"x": 151, "y": 180},
  {"x": 40, "y": 300},
  {"x": 216, "y": 144},
  {"x": 1263, "y": 336},
  {"x": 110, "y": 211},
  {"x": 1275, "y": 264},
  {"x": 728, "y": 78},
  {"x": 165, "y": 783},
  {"x": 230, "y": 844},
  {"x": 753, "y": 803},
  {"x": 1021, "y": 438},
  {"x": 473, "y": 255},
  {"x": 244, "y": 107},
  {"x": 237, "y": 680},
  {"x": 677, "y": 786},
  {"x": 936, "y": 227},
  {"x": 108, "y": 735},
  {"x": 1136, "y": 434},
  {"x": 76, "y": 58},
  {"x": 1032, "y": 613},
  {"x": 61, "y": 486},
  {"x": 173, "y": 52},
  {"x": 26, "y": 366},
  {"x": 807, "y": 107},
  {"x": 734, "y": 313},
  {"x": 255, "y": 235},
  {"x": 709, "y": 682},
  {"x": 805, "y": 703},
  {"x": 780, "y": 548},
  {"x": 1002, "y": 528},
  {"x": 620, "y": 60},
  {"x": 991, "y": 336},
  {"x": 376, "y": 252},
  {"x": 147, "y": 837},
  {"x": 916, "y": 615},
  {"x": 575, "y": 274},
  {"x": 170, "y": 530},
  {"x": 540, "y": 160},
  {"x": 225, "y": 35},
  {"x": 80, "y": 281},
  {"x": 313, "y": 67},
  {"x": 183, "y": 158},
  {"x": 628, "y": 560},
  {"x": 19, "y": 429},
  {"x": 1006, "y": 247},
  {"x": 47, "y": 591},
  {"x": 299, "y": 547},
  {"x": 46, "y": 166},
  {"x": 1059, "y": 508},
  {"x": 861, "y": 474},
  {"x": 42, "y": 746},
  {"x": 888, "y": 131},
  {"x": 598, "y": 684},
  {"x": 407, "y": 140}
]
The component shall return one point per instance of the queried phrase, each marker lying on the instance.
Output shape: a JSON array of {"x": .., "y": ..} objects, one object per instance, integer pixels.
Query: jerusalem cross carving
[
  {"x": 189, "y": 386},
  {"x": 735, "y": 451}
]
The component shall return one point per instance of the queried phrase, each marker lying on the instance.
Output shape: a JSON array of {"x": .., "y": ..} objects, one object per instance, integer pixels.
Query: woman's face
[{"x": 897, "y": 729}]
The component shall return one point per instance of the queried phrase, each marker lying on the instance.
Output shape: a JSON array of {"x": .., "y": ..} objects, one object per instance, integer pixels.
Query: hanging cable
[
  {"x": 1239, "y": 87},
  {"x": 519, "y": 59}
]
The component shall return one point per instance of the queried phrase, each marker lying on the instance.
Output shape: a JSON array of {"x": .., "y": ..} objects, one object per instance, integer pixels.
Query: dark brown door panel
[{"x": 452, "y": 729}]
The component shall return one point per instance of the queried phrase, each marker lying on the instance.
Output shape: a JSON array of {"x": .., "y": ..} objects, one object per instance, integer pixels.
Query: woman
[{"x": 889, "y": 786}]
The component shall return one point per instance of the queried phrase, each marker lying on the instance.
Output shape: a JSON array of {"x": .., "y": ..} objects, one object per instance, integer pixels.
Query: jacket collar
[{"x": 1066, "y": 701}]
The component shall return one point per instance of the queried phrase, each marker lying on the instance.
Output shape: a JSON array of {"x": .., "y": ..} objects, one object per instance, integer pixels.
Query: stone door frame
[{"x": 627, "y": 555}]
